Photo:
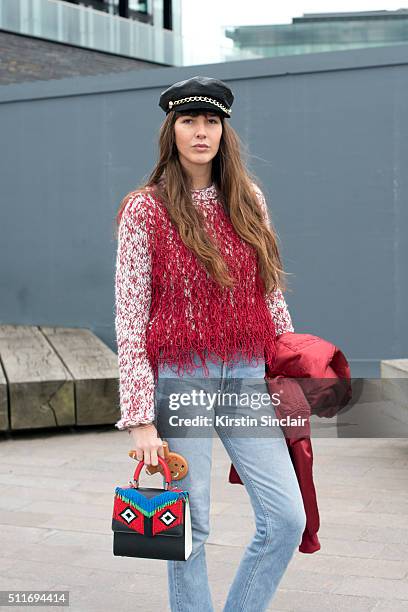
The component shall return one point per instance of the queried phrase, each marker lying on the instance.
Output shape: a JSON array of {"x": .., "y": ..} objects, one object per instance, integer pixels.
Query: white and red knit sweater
[{"x": 168, "y": 306}]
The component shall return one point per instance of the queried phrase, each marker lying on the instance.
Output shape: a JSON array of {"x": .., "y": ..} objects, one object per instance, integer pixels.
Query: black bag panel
[{"x": 169, "y": 544}]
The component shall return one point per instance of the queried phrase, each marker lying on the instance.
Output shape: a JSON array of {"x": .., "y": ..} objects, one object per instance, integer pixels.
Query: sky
[{"x": 202, "y": 22}]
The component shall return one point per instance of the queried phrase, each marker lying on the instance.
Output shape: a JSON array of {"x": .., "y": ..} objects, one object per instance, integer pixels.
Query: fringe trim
[{"x": 146, "y": 506}]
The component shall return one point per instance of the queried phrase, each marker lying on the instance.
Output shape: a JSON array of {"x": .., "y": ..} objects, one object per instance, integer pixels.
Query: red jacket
[{"x": 323, "y": 388}]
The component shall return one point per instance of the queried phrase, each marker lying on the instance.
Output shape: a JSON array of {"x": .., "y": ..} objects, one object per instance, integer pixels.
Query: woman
[{"x": 199, "y": 294}]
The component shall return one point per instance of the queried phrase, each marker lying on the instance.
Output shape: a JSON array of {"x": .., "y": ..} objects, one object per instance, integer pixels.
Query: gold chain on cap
[{"x": 200, "y": 99}]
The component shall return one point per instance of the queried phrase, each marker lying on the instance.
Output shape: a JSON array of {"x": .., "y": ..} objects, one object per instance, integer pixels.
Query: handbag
[{"x": 152, "y": 523}]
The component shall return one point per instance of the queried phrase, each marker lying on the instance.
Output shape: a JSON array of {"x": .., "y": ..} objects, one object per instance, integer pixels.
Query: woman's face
[{"x": 203, "y": 129}]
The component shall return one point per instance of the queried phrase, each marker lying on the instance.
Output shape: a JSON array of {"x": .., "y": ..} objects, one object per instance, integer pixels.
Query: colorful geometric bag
[{"x": 152, "y": 523}]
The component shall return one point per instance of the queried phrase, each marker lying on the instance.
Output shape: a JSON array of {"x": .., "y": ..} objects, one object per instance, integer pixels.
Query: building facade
[
  {"x": 46, "y": 39},
  {"x": 320, "y": 32}
]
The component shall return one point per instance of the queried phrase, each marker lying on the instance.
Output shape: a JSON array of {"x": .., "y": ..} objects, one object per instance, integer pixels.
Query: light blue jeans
[{"x": 265, "y": 468}]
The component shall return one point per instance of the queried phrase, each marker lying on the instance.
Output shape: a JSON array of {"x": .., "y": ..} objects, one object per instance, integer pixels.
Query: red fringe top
[{"x": 168, "y": 307}]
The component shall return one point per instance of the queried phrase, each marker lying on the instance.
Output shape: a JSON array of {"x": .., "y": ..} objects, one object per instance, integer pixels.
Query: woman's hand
[{"x": 147, "y": 443}]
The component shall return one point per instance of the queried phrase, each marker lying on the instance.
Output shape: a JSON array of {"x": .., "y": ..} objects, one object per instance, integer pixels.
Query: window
[
  {"x": 123, "y": 8},
  {"x": 136, "y": 5}
]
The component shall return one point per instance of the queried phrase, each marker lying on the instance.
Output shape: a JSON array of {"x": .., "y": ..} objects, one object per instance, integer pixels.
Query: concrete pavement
[{"x": 56, "y": 496}]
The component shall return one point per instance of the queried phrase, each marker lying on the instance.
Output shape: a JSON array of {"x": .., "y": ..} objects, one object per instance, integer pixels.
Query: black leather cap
[{"x": 199, "y": 92}]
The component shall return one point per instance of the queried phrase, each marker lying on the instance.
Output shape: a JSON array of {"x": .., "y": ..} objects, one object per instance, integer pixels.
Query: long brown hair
[{"x": 234, "y": 184}]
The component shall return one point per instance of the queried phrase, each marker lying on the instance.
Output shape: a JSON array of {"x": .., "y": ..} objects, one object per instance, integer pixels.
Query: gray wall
[{"x": 327, "y": 135}]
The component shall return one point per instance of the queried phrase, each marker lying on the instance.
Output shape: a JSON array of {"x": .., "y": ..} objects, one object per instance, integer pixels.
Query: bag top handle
[{"x": 163, "y": 463}]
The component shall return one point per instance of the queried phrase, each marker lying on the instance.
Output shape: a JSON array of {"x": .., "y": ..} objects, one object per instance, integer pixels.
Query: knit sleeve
[
  {"x": 279, "y": 311},
  {"x": 275, "y": 299},
  {"x": 133, "y": 299}
]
